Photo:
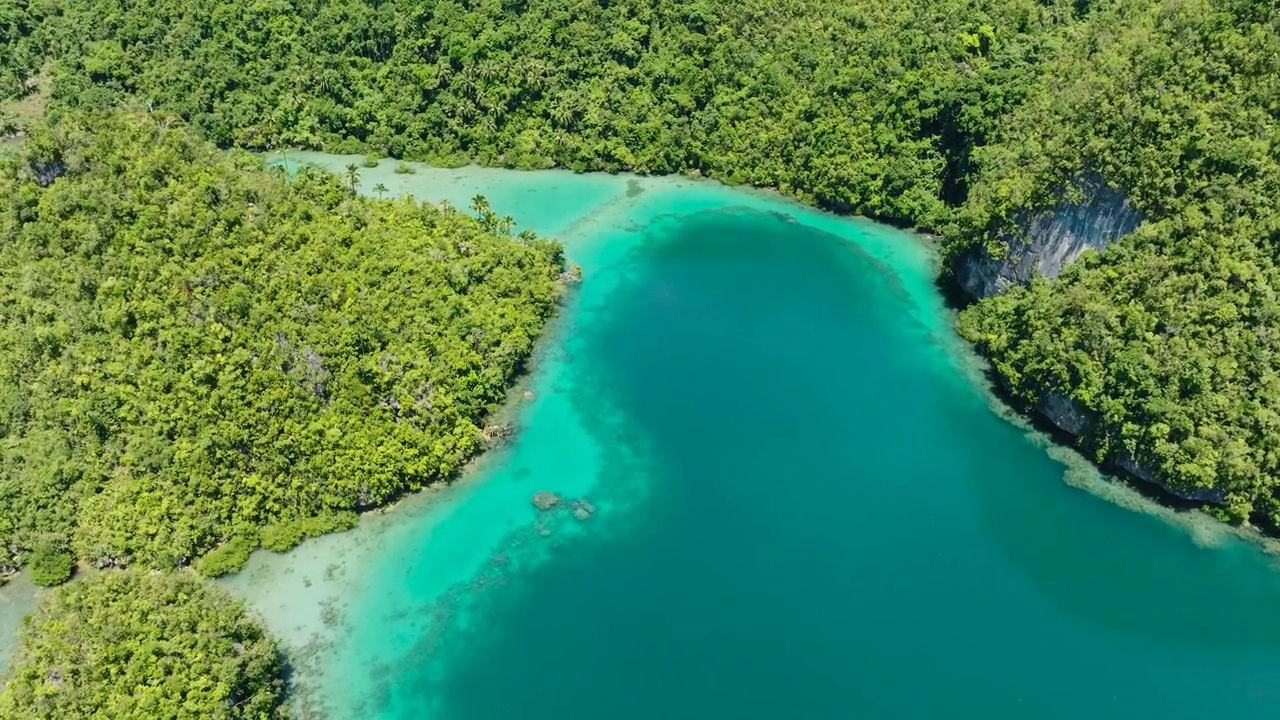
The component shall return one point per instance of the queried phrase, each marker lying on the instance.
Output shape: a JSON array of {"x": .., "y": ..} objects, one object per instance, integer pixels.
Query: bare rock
[
  {"x": 544, "y": 500},
  {"x": 572, "y": 276},
  {"x": 582, "y": 509},
  {"x": 1066, "y": 413},
  {"x": 494, "y": 434},
  {"x": 1051, "y": 239}
]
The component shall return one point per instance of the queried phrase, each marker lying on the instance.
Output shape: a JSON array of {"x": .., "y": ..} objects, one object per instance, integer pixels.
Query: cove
[{"x": 806, "y": 507}]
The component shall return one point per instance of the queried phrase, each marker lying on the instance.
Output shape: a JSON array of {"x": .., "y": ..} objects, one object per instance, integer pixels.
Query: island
[{"x": 201, "y": 356}]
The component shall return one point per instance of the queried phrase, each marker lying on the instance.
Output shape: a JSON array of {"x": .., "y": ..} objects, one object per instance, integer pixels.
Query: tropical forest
[{"x": 202, "y": 355}]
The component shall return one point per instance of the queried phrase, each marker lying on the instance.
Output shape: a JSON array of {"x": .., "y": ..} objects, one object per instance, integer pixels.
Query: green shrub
[
  {"x": 227, "y": 558},
  {"x": 51, "y": 564},
  {"x": 286, "y": 535},
  {"x": 140, "y": 644}
]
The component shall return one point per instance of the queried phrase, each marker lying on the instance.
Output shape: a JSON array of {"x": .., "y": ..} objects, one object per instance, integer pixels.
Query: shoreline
[
  {"x": 1113, "y": 485},
  {"x": 309, "y": 596},
  {"x": 953, "y": 299},
  {"x": 307, "y": 621}
]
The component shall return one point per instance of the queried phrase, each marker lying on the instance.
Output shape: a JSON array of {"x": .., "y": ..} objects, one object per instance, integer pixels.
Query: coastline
[
  {"x": 310, "y": 596},
  {"x": 446, "y": 542},
  {"x": 305, "y": 596},
  {"x": 1111, "y": 484},
  {"x": 953, "y": 298}
]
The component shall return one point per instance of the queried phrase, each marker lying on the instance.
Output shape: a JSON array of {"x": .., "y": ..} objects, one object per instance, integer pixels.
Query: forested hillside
[
  {"x": 960, "y": 116},
  {"x": 21, "y": 59},
  {"x": 1168, "y": 339},
  {"x": 199, "y": 356},
  {"x": 870, "y": 106},
  {"x": 198, "y": 353}
]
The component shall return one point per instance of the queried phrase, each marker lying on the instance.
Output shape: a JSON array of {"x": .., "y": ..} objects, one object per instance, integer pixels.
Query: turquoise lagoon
[{"x": 807, "y": 506}]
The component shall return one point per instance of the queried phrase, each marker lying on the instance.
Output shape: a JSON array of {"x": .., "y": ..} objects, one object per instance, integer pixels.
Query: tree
[
  {"x": 352, "y": 176},
  {"x": 380, "y": 189},
  {"x": 487, "y": 217},
  {"x": 291, "y": 399},
  {"x": 51, "y": 563},
  {"x": 131, "y": 644},
  {"x": 8, "y": 123}
]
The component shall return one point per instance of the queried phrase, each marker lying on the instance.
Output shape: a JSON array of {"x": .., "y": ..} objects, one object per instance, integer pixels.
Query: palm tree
[
  {"x": 487, "y": 217},
  {"x": 353, "y": 176},
  {"x": 380, "y": 189},
  {"x": 8, "y": 123},
  {"x": 561, "y": 113}
]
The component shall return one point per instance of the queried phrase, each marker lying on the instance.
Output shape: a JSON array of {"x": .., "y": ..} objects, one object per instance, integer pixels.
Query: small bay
[{"x": 805, "y": 506}]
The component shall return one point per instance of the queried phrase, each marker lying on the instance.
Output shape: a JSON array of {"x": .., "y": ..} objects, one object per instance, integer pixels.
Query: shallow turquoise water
[
  {"x": 807, "y": 508},
  {"x": 17, "y": 599}
]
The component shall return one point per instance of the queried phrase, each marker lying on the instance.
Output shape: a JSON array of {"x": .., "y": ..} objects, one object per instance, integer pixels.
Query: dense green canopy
[
  {"x": 962, "y": 116},
  {"x": 139, "y": 646},
  {"x": 196, "y": 352},
  {"x": 198, "y": 356},
  {"x": 1169, "y": 337},
  {"x": 863, "y": 104}
]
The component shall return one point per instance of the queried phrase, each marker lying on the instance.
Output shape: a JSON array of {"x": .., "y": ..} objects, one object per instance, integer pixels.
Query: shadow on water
[{"x": 956, "y": 299}]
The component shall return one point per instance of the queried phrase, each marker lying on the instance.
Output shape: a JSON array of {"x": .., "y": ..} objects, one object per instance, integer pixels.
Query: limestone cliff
[
  {"x": 1052, "y": 239},
  {"x": 1065, "y": 413},
  {"x": 1070, "y": 417}
]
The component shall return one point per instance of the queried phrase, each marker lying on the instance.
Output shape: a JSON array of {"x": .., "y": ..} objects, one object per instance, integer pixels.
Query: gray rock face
[
  {"x": 1065, "y": 413},
  {"x": 1068, "y": 415},
  {"x": 1053, "y": 239},
  {"x": 1212, "y": 495}
]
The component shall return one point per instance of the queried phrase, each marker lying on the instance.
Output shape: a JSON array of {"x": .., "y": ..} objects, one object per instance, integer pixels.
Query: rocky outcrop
[
  {"x": 1052, "y": 239},
  {"x": 496, "y": 434},
  {"x": 544, "y": 500},
  {"x": 1131, "y": 466},
  {"x": 572, "y": 276},
  {"x": 1070, "y": 417},
  {"x": 1065, "y": 413}
]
